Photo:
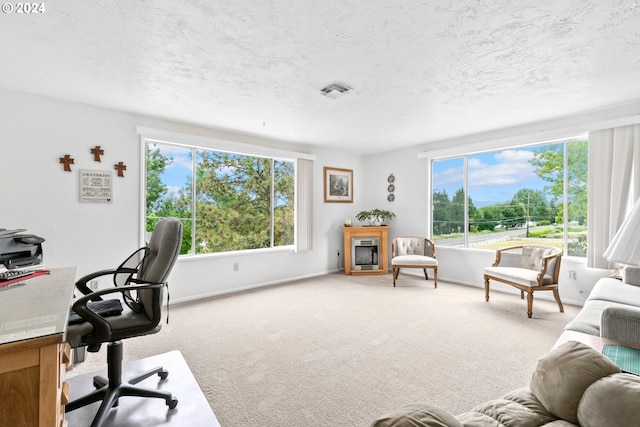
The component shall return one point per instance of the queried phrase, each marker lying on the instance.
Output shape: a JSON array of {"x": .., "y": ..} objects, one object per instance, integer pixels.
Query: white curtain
[
  {"x": 304, "y": 205},
  {"x": 614, "y": 184}
]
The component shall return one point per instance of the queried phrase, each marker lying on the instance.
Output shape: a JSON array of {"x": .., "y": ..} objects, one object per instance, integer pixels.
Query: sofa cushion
[
  {"x": 611, "y": 401},
  {"x": 477, "y": 419},
  {"x": 417, "y": 415},
  {"x": 631, "y": 275},
  {"x": 524, "y": 411},
  {"x": 563, "y": 375},
  {"x": 621, "y": 324},
  {"x": 526, "y": 398},
  {"x": 560, "y": 423},
  {"x": 615, "y": 290},
  {"x": 589, "y": 317}
]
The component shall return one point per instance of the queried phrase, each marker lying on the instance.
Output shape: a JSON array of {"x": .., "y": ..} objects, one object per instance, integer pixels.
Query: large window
[
  {"x": 502, "y": 198},
  {"x": 226, "y": 201}
]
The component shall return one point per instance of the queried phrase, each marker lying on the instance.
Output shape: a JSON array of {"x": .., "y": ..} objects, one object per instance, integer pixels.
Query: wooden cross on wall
[
  {"x": 120, "y": 167},
  {"x": 67, "y": 161},
  {"x": 97, "y": 152}
]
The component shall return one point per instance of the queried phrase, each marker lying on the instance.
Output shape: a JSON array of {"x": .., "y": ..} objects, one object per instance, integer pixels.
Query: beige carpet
[{"x": 338, "y": 350}]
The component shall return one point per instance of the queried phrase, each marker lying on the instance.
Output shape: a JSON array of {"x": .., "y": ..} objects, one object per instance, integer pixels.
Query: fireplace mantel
[{"x": 371, "y": 231}]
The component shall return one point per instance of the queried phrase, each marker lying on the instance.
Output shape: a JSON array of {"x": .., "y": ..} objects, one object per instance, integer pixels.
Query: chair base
[
  {"x": 529, "y": 290},
  {"x": 396, "y": 271},
  {"x": 109, "y": 390}
]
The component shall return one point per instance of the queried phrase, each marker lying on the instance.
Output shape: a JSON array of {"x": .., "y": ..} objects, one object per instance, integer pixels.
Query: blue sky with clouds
[
  {"x": 493, "y": 177},
  {"x": 175, "y": 174}
]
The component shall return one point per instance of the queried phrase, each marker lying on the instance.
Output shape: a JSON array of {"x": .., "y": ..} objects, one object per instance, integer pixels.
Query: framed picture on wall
[{"x": 338, "y": 185}]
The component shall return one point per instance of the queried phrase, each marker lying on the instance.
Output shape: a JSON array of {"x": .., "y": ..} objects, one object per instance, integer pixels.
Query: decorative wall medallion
[{"x": 391, "y": 187}]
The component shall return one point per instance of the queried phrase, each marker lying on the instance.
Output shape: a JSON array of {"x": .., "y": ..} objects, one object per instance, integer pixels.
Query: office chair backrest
[{"x": 163, "y": 250}]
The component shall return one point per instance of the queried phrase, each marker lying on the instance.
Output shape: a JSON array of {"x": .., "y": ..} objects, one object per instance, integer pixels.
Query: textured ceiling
[{"x": 421, "y": 70}]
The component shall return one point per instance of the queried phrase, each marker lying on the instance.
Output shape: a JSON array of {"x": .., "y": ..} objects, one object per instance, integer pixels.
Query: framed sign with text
[{"x": 96, "y": 186}]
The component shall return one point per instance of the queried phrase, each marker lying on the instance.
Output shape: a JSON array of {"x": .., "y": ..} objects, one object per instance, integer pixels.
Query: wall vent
[{"x": 335, "y": 90}]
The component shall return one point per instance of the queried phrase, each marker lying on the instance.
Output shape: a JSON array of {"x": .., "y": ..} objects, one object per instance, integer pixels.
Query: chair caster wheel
[
  {"x": 173, "y": 403},
  {"x": 99, "y": 382},
  {"x": 163, "y": 374}
]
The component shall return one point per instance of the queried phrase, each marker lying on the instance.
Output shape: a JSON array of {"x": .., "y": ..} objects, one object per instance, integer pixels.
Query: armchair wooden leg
[
  {"x": 521, "y": 294},
  {"x": 426, "y": 275},
  {"x": 529, "y": 304},
  {"x": 395, "y": 275},
  {"x": 556, "y": 295},
  {"x": 486, "y": 287},
  {"x": 435, "y": 277}
]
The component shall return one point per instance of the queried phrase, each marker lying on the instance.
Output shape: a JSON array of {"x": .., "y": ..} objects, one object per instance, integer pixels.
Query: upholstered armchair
[
  {"x": 529, "y": 268},
  {"x": 414, "y": 252}
]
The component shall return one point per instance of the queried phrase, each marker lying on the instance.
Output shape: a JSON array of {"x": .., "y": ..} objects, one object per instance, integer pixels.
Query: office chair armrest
[
  {"x": 144, "y": 283},
  {"x": 100, "y": 325},
  {"x": 81, "y": 284}
]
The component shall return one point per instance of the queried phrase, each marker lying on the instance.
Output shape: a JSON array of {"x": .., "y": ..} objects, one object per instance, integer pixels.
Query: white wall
[
  {"x": 39, "y": 196},
  {"x": 466, "y": 266},
  {"x": 410, "y": 192},
  {"x": 35, "y": 131}
]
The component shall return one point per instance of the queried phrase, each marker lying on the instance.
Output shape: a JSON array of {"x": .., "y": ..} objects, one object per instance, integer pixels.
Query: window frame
[
  {"x": 222, "y": 145},
  {"x": 464, "y": 152}
]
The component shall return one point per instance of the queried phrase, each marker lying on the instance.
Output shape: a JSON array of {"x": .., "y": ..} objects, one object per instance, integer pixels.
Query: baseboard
[
  {"x": 418, "y": 273},
  {"x": 250, "y": 287}
]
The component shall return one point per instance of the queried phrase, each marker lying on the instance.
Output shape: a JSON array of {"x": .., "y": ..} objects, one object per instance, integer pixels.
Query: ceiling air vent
[{"x": 335, "y": 90}]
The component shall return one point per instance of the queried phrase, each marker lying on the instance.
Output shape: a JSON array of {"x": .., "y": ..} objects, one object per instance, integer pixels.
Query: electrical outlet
[
  {"x": 93, "y": 285},
  {"x": 236, "y": 266}
]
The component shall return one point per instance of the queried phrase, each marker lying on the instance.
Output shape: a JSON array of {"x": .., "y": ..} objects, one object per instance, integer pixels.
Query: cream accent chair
[
  {"x": 414, "y": 252},
  {"x": 532, "y": 268}
]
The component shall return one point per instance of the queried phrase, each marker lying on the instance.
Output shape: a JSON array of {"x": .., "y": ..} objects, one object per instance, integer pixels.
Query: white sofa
[
  {"x": 573, "y": 385},
  {"x": 612, "y": 309}
]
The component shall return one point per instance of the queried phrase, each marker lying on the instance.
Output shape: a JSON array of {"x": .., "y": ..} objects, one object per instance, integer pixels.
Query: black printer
[{"x": 19, "y": 250}]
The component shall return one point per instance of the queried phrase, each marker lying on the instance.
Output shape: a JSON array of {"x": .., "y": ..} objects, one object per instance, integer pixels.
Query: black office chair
[{"x": 140, "y": 282}]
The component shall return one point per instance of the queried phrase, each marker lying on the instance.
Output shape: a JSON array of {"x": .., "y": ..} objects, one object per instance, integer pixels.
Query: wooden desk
[{"x": 33, "y": 352}]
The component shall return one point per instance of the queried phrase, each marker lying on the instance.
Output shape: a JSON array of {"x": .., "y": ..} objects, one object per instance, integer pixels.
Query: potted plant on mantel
[{"x": 375, "y": 216}]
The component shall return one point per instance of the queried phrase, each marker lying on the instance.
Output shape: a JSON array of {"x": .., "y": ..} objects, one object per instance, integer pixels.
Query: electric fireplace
[
  {"x": 365, "y": 250},
  {"x": 365, "y": 253}
]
